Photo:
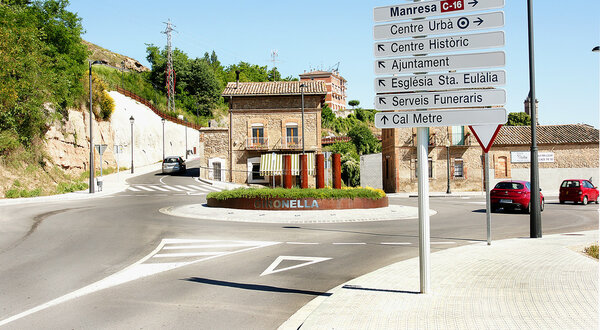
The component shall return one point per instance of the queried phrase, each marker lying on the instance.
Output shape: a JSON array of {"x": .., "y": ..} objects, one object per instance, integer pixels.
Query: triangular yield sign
[
  {"x": 309, "y": 261},
  {"x": 485, "y": 135}
]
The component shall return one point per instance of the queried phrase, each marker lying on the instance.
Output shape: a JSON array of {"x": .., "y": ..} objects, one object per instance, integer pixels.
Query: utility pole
[{"x": 170, "y": 73}]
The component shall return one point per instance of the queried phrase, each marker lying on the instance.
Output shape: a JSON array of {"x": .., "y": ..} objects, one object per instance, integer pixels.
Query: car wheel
[
  {"x": 494, "y": 208},
  {"x": 585, "y": 200},
  {"x": 542, "y": 205},
  {"x": 561, "y": 201}
]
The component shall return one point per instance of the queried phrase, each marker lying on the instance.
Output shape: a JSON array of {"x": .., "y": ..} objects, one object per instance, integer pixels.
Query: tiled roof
[
  {"x": 275, "y": 88},
  {"x": 548, "y": 134}
]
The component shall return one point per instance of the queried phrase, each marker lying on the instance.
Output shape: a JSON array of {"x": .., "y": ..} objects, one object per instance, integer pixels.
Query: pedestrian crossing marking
[
  {"x": 178, "y": 188},
  {"x": 185, "y": 188},
  {"x": 144, "y": 188}
]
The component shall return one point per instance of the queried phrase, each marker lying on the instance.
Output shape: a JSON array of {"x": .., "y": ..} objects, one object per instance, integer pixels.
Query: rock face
[{"x": 67, "y": 143}]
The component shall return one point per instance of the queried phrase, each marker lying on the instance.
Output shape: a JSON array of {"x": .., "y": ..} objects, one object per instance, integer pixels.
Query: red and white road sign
[{"x": 485, "y": 135}]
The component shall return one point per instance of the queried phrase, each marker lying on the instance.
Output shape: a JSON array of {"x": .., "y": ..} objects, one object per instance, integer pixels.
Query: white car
[{"x": 173, "y": 164}]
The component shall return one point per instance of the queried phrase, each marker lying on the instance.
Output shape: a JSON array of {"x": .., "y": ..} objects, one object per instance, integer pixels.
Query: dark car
[
  {"x": 173, "y": 164},
  {"x": 578, "y": 191},
  {"x": 513, "y": 195}
]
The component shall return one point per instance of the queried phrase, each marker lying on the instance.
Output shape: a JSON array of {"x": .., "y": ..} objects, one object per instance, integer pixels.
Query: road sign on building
[
  {"x": 437, "y": 26},
  {"x": 440, "y": 63},
  {"x": 441, "y": 100},
  {"x": 442, "y": 81},
  {"x": 432, "y": 8},
  {"x": 439, "y": 44},
  {"x": 436, "y": 118}
]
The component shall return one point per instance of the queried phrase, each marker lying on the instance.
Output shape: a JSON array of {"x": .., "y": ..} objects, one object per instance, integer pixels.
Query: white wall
[
  {"x": 147, "y": 133},
  {"x": 551, "y": 178}
]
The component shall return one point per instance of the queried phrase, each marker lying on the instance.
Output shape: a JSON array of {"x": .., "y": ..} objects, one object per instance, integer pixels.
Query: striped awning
[{"x": 272, "y": 164}]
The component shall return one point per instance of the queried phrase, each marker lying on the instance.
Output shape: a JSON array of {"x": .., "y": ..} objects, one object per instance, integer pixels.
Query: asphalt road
[{"x": 50, "y": 251}]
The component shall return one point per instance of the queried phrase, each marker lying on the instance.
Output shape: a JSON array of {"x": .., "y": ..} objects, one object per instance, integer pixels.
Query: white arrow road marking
[
  {"x": 309, "y": 261},
  {"x": 141, "y": 269}
]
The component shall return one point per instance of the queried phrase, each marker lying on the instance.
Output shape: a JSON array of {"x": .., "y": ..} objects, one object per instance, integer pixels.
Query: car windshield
[
  {"x": 570, "y": 184},
  {"x": 171, "y": 160},
  {"x": 508, "y": 185}
]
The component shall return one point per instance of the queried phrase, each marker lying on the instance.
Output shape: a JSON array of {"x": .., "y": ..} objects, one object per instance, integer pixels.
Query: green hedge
[{"x": 326, "y": 193}]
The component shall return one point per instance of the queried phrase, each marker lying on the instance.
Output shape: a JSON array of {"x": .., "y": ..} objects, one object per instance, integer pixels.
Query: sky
[{"x": 321, "y": 35}]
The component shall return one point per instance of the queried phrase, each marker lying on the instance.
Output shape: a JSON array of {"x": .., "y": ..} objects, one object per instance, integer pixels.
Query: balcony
[
  {"x": 291, "y": 142},
  {"x": 257, "y": 143}
]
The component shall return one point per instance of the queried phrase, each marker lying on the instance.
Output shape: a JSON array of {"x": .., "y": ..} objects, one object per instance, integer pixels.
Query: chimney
[{"x": 237, "y": 78}]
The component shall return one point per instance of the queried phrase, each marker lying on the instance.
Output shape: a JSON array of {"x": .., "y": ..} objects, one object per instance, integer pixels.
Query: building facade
[
  {"x": 266, "y": 121},
  {"x": 336, "y": 87},
  {"x": 566, "y": 151}
]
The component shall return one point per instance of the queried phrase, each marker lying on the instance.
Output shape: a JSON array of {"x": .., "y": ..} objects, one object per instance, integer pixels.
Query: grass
[
  {"x": 325, "y": 193},
  {"x": 592, "y": 251}
]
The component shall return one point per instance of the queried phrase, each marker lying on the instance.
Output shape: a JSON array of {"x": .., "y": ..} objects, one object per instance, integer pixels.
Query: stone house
[
  {"x": 565, "y": 151},
  {"x": 265, "y": 122}
]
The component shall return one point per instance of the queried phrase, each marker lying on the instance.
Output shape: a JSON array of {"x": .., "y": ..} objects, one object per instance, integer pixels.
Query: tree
[
  {"x": 327, "y": 116},
  {"x": 353, "y": 103},
  {"x": 364, "y": 140},
  {"x": 518, "y": 119}
]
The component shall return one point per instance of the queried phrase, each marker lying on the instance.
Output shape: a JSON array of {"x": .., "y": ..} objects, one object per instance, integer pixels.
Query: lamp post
[
  {"x": 180, "y": 117},
  {"x": 302, "y": 96},
  {"x": 92, "y": 167},
  {"x": 596, "y": 49},
  {"x": 448, "y": 166},
  {"x": 131, "y": 120},
  {"x": 162, "y": 120}
]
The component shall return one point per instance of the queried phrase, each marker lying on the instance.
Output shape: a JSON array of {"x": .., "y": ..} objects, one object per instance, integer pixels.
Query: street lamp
[
  {"x": 302, "y": 95},
  {"x": 131, "y": 120},
  {"x": 596, "y": 49},
  {"x": 448, "y": 166},
  {"x": 92, "y": 167},
  {"x": 163, "y": 126},
  {"x": 186, "y": 146}
]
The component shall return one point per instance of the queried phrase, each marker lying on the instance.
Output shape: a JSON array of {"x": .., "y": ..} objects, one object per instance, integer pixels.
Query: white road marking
[
  {"x": 161, "y": 179},
  {"x": 442, "y": 243},
  {"x": 309, "y": 261},
  {"x": 301, "y": 243},
  {"x": 205, "y": 246},
  {"x": 159, "y": 188},
  {"x": 197, "y": 187},
  {"x": 133, "y": 189},
  {"x": 394, "y": 243},
  {"x": 136, "y": 271},
  {"x": 187, "y": 254},
  {"x": 185, "y": 188},
  {"x": 172, "y": 188},
  {"x": 144, "y": 188}
]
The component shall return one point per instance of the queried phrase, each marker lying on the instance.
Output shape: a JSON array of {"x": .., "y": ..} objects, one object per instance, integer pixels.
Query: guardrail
[{"x": 156, "y": 111}]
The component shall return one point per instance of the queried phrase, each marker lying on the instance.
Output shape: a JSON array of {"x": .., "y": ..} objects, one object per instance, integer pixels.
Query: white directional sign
[
  {"x": 410, "y": 83},
  {"x": 432, "y": 8},
  {"x": 441, "y": 100},
  {"x": 445, "y": 25},
  {"x": 440, "y": 63},
  {"x": 435, "y": 118},
  {"x": 439, "y": 44}
]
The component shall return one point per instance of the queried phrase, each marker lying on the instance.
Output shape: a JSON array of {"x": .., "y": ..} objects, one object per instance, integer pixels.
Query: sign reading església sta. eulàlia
[{"x": 286, "y": 204}]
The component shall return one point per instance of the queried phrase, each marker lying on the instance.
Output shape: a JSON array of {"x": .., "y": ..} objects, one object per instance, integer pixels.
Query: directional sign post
[
  {"x": 438, "y": 118},
  {"x": 100, "y": 148},
  {"x": 424, "y": 82},
  {"x": 441, "y": 100},
  {"x": 441, "y": 90}
]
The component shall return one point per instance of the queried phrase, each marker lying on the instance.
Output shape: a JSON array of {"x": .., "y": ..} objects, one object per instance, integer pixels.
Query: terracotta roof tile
[
  {"x": 274, "y": 88},
  {"x": 547, "y": 134}
]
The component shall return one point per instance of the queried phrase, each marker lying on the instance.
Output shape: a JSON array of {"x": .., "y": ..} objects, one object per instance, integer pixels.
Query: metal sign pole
[
  {"x": 488, "y": 202},
  {"x": 424, "y": 239}
]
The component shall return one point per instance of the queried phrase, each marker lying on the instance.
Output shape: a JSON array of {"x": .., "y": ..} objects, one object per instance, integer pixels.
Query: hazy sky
[{"x": 318, "y": 34}]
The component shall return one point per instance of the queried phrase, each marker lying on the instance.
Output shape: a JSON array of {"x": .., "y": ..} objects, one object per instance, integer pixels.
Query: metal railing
[
  {"x": 291, "y": 142},
  {"x": 257, "y": 143}
]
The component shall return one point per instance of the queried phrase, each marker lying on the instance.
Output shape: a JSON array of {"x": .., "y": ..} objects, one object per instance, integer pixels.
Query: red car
[
  {"x": 513, "y": 195},
  {"x": 578, "y": 191}
]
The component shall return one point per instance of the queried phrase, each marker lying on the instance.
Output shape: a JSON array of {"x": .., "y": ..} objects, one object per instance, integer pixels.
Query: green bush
[
  {"x": 67, "y": 187},
  {"x": 16, "y": 193},
  {"x": 592, "y": 251},
  {"x": 12, "y": 193},
  {"x": 325, "y": 193}
]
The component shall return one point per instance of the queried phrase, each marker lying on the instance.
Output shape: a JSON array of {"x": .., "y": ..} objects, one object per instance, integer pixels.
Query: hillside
[{"x": 115, "y": 60}]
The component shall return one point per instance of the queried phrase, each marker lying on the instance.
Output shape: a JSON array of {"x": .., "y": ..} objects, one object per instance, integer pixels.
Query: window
[
  {"x": 588, "y": 184},
  {"x": 291, "y": 133},
  {"x": 258, "y": 134},
  {"x": 458, "y": 135},
  {"x": 256, "y": 172},
  {"x": 458, "y": 168},
  {"x": 430, "y": 163},
  {"x": 501, "y": 169}
]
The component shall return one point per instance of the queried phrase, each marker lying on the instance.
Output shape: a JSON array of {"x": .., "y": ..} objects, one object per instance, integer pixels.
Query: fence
[{"x": 156, "y": 111}]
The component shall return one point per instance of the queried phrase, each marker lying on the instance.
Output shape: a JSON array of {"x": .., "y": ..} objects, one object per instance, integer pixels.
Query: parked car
[
  {"x": 513, "y": 195},
  {"x": 578, "y": 191},
  {"x": 173, "y": 164}
]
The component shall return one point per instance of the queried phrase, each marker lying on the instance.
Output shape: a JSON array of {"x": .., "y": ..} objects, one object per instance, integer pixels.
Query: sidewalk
[{"x": 517, "y": 283}]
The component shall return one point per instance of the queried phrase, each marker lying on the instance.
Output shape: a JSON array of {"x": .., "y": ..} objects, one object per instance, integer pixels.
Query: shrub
[
  {"x": 325, "y": 193},
  {"x": 592, "y": 251}
]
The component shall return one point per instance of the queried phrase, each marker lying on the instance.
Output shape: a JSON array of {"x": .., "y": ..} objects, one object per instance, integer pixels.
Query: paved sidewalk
[{"x": 513, "y": 284}]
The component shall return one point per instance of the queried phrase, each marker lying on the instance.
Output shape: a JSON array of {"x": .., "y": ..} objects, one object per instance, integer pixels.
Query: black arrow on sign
[
  {"x": 384, "y": 119},
  {"x": 380, "y": 48},
  {"x": 382, "y": 100},
  {"x": 478, "y": 21},
  {"x": 381, "y": 82},
  {"x": 380, "y": 63},
  {"x": 474, "y": 3}
]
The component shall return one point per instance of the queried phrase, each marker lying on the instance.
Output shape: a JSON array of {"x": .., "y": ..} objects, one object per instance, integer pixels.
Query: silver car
[{"x": 173, "y": 164}]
